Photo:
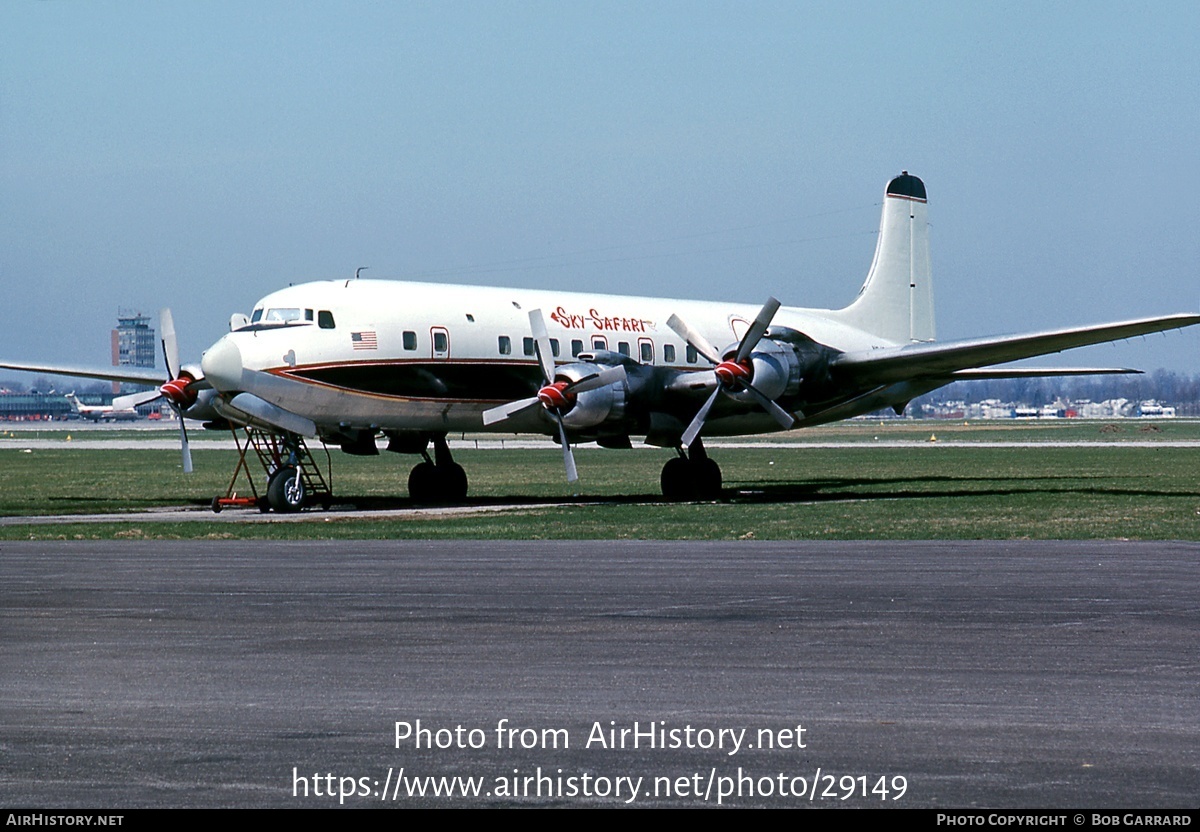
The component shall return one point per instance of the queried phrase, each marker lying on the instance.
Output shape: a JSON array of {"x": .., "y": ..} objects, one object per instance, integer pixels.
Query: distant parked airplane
[{"x": 101, "y": 412}]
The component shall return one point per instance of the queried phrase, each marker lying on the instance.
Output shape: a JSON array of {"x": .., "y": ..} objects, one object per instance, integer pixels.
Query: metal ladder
[{"x": 273, "y": 453}]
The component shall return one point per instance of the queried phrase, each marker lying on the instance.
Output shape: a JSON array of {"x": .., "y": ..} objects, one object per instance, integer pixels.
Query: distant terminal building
[
  {"x": 133, "y": 345},
  {"x": 42, "y": 406}
]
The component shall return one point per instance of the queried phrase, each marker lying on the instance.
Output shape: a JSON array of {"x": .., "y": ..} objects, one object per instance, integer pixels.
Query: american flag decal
[{"x": 364, "y": 340}]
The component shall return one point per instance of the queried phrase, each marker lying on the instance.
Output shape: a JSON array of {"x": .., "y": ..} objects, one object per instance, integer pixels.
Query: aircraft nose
[{"x": 222, "y": 365}]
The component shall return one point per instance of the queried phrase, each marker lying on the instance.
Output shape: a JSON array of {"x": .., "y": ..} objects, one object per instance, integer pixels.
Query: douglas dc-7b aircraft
[{"x": 349, "y": 360}]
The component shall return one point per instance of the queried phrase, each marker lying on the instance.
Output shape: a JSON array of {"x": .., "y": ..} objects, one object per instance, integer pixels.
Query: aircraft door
[{"x": 439, "y": 342}]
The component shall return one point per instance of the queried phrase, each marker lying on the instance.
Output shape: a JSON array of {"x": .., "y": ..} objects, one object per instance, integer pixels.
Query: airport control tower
[{"x": 133, "y": 344}]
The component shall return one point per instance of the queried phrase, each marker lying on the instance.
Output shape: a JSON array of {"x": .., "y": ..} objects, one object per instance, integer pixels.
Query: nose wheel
[
  {"x": 691, "y": 476},
  {"x": 286, "y": 491}
]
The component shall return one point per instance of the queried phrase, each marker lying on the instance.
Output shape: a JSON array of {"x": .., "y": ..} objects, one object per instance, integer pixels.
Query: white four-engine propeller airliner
[{"x": 349, "y": 361}]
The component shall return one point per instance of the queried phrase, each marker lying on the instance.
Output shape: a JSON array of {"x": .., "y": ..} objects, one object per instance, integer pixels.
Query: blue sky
[{"x": 200, "y": 155}]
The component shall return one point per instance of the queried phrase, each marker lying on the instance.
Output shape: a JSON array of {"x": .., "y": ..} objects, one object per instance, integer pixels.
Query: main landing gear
[
  {"x": 692, "y": 475},
  {"x": 437, "y": 480}
]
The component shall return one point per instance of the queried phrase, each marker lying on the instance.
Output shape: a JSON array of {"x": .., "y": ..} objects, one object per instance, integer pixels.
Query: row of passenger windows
[
  {"x": 645, "y": 349},
  {"x": 441, "y": 340}
]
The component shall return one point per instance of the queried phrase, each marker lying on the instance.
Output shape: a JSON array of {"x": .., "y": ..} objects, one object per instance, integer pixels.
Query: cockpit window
[
  {"x": 257, "y": 316},
  {"x": 283, "y": 316}
]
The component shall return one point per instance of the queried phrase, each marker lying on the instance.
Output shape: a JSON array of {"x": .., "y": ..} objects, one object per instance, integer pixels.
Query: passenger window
[
  {"x": 440, "y": 342},
  {"x": 599, "y": 344},
  {"x": 576, "y": 347},
  {"x": 647, "y": 353},
  {"x": 527, "y": 345},
  {"x": 669, "y": 353},
  {"x": 410, "y": 340},
  {"x": 623, "y": 347},
  {"x": 325, "y": 319},
  {"x": 505, "y": 345},
  {"x": 554, "y": 346},
  {"x": 691, "y": 354}
]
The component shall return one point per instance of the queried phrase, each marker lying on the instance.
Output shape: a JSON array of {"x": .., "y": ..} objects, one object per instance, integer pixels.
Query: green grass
[
  {"x": 861, "y": 430},
  {"x": 926, "y": 490}
]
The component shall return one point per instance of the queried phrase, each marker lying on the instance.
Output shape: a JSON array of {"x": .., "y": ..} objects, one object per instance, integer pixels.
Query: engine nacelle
[
  {"x": 191, "y": 371},
  {"x": 592, "y": 407},
  {"x": 776, "y": 371},
  {"x": 203, "y": 408}
]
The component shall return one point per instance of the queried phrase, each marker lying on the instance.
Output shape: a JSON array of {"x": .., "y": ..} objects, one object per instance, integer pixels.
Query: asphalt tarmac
[{"x": 1021, "y": 674}]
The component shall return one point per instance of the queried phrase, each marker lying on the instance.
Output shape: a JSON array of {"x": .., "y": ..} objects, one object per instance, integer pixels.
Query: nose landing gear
[{"x": 294, "y": 480}]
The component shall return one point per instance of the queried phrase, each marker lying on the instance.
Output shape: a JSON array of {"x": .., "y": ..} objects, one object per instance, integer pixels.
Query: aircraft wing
[
  {"x": 134, "y": 375},
  {"x": 953, "y": 358},
  {"x": 1039, "y": 372}
]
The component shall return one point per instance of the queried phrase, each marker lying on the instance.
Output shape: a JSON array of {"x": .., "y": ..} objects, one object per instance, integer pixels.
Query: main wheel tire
[
  {"x": 452, "y": 482},
  {"x": 706, "y": 479},
  {"x": 676, "y": 480},
  {"x": 285, "y": 491},
  {"x": 423, "y": 483}
]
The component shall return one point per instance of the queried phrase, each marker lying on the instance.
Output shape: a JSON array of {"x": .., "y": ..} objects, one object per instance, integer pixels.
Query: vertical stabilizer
[{"x": 896, "y": 301}]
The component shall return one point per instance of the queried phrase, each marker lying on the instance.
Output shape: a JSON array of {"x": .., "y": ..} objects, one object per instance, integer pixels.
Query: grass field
[
  {"x": 918, "y": 489},
  {"x": 1063, "y": 430}
]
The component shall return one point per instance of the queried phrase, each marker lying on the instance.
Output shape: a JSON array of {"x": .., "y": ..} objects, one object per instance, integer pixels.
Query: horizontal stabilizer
[
  {"x": 944, "y": 360},
  {"x": 133, "y": 375}
]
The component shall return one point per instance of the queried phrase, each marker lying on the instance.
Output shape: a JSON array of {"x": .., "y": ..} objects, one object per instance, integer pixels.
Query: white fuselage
[{"x": 426, "y": 356}]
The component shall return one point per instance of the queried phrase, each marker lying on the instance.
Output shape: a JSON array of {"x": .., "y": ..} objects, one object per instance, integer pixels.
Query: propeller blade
[
  {"x": 693, "y": 430},
  {"x": 785, "y": 419},
  {"x": 757, "y": 329},
  {"x": 499, "y": 414},
  {"x": 544, "y": 349},
  {"x": 185, "y": 449},
  {"x": 132, "y": 400},
  {"x": 698, "y": 341},
  {"x": 607, "y": 376},
  {"x": 568, "y": 457},
  {"x": 170, "y": 344}
]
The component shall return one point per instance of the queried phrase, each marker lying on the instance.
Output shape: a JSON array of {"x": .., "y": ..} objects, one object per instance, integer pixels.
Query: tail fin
[
  {"x": 74, "y": 402},
  {"x": 896, "y": 301}
]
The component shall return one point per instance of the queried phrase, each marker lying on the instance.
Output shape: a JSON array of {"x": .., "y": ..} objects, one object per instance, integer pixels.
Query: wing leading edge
[
  {"x": 133, "y": 375},
  {"x": 960, "y": 359}
]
